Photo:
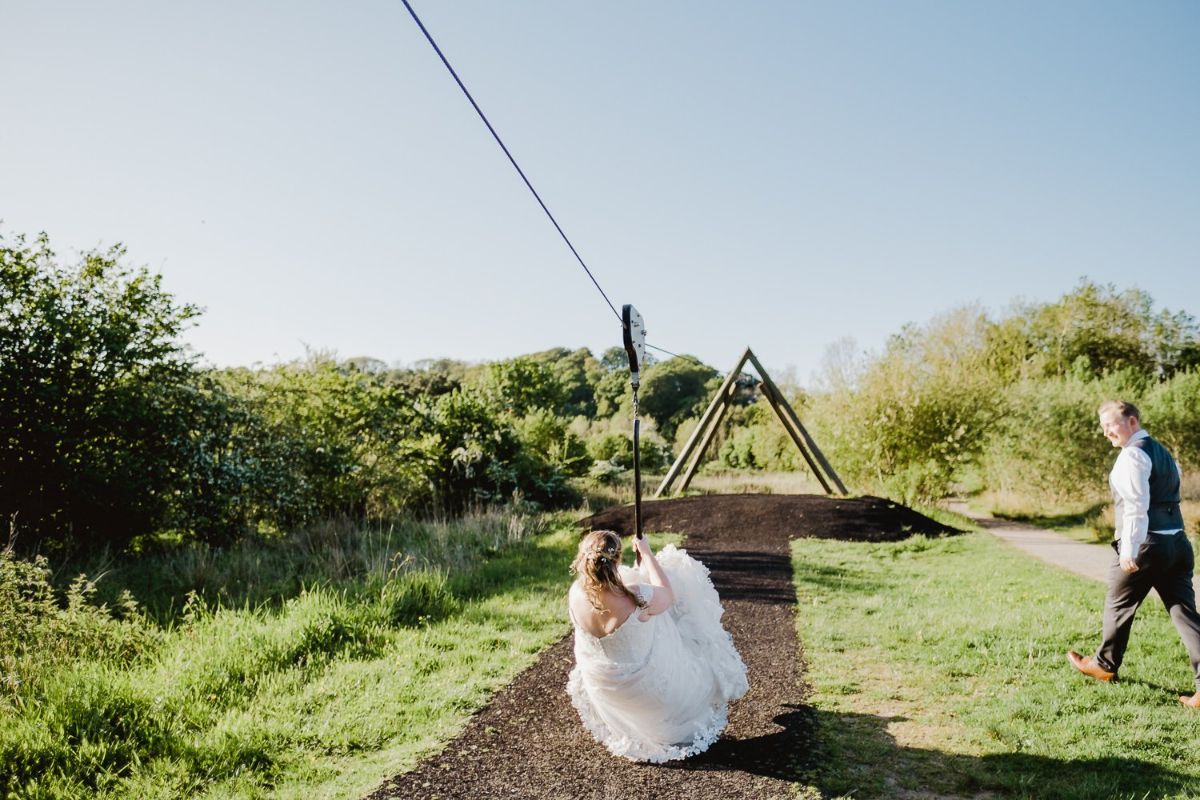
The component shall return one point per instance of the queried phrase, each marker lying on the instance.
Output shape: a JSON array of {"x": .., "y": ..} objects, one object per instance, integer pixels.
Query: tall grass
[
  {"x": 1089, "y": 519},
  {"x": 314, "y": 666},
  {"x": 269, "y": 569}
]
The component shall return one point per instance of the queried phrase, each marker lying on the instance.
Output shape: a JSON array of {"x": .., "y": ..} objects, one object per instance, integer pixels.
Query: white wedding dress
[{"x": 659, "y": 690}]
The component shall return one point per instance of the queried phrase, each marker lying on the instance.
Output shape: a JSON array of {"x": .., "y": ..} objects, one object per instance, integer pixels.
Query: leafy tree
[
  {"x": 918, "y": 414},
  {"x": 1046, "y": 442},
  {"x": 479, "y": 457},
  {"x": 520, "y": 385},
  {"x": 1097, "y": 329},
  {"x": 615, "y": 359},
  {"x": 94, "y": 390},
  {"x": 610, "y": 382},
  {"x": 576, "y": 371},
  {"x": 430, "y": 377},
  {"x": 674, "y": 390},
  {"x": 1172, "y": 410},
  {"x": 317, "y": 438},
  {"x": 756, "y": 439},
  {"x": 549, "y": 437}
]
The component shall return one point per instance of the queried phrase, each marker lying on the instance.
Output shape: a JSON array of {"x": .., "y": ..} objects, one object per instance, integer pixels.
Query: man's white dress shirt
[{"x": 1130, "y": 483}]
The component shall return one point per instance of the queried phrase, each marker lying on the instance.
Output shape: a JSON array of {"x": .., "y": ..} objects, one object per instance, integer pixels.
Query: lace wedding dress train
[{"x": 659, "y": 690}]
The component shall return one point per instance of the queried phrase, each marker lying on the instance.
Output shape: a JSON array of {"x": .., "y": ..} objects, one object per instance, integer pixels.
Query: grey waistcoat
[{"x": 1164, "y": 486}]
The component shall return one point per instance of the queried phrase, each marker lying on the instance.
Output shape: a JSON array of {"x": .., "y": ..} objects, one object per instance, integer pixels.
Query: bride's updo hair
[{"x": 596, "y": 562}]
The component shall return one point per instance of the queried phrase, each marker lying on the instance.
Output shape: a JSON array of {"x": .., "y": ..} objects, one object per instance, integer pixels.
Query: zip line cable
[
  {"x": 516, "y": 166},
  {"x": 676, "y": 355},
  {"x": 521, "y": 172}
]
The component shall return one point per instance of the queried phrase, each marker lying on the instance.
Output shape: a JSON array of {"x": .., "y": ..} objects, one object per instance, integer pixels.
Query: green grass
[
  {"x": 323, "y": 693},
  {"x": 318, "y": 690},
  {"x": 937, "y": 669}
]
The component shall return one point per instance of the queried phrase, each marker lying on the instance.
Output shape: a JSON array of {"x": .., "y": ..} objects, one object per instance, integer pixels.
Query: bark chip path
[{"x": 528, "y": 741}]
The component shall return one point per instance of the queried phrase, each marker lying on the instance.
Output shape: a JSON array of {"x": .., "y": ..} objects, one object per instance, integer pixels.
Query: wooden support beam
[
  {"x": 775, "y": 401},
  {"x": 712, "y": 430},
  {"x": 816, "y": 451},
  {"x": 697, "y": 443},
  {"x": 718, "y": 400},
  {"x": 812, "y": 445}
]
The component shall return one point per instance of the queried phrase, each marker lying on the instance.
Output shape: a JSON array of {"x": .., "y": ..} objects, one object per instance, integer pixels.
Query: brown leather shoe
[
  {"x": 1192, "y": 701},
  {"x": 1090, "y": 668}
]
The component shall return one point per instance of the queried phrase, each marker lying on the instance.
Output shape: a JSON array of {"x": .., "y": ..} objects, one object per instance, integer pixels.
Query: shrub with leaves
[
  {"x": 95, "y": 398},
  {"x": 1047, "y": 444},
  {"x": 322, "y": 439},
  {"x": 41, "y": 630},
  {"x": 916, "y": 415},
  {"x": 1172, "y": 411}
]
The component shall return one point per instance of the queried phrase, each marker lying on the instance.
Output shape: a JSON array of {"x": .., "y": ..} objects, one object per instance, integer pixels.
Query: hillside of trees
[{"x": 114, "y": 437}]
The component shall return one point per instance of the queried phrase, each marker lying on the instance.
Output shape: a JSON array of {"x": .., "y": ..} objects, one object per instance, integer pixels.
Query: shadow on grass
[
  {"x": 822, "y": 578},
  {"x": 1055, "y": 521},
  {"x": 856, "y": 755}
]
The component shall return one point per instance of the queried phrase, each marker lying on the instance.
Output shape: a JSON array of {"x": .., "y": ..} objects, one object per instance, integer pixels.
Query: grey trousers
[{"x": 1165, "y": 563}]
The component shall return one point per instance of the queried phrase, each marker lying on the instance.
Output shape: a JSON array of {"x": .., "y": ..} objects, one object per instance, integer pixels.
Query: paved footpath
[{"x": 1089, "y": 560}]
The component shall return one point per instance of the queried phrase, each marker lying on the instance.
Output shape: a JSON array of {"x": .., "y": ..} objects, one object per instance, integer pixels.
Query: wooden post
[
  {"x": 712, "y": 430},
  {"x": 697, "y": 443},
  {"x": 717, "y": 401},
  {"x": 799, "y": 427},
  {"x": 769, "y": 393}
]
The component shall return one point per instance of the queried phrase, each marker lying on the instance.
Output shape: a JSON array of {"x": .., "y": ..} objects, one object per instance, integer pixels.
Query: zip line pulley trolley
[{"x": 634, "y": 335}]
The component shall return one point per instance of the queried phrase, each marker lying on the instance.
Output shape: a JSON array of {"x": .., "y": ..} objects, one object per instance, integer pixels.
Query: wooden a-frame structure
[{"x": 712, "y": 419}]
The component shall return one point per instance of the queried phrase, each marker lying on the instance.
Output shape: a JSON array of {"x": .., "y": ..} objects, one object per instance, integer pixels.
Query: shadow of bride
[{"x": 784, "y": 754}]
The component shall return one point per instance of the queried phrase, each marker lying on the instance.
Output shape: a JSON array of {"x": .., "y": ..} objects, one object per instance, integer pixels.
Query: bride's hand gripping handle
[
  {"x": 655, "y": 576},
  {"x": 654, "y": 571}
]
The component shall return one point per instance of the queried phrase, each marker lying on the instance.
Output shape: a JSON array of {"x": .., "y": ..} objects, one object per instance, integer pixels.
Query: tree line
[
  {"x": 113, "y": 436},
  {"x": 1008, "y": 403}
]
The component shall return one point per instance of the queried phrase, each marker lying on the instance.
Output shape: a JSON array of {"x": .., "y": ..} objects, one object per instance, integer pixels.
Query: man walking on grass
[{"x": 1153, "y": 550}]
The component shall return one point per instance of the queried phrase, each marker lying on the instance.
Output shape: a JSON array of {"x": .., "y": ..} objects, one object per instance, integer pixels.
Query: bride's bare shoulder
[{"x": 578, "y": 600}]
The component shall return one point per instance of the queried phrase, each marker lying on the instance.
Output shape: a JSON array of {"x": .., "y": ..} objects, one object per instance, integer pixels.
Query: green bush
[
  {"x": 1172, "y": 415},
  {"x": 320, "y": 439},
  {"x": 95, "y": 399},
  {"x": 917, "y": 415},
  {"x": 1009, "y": 405},
  {"x": 756, "y": 439},
  {"x": 520, "y": 385},
  {"x": 738, "y": 449},
  {"x": 617, "y": 449},
  {"x": 614, "y": 447},
  {"x": 549, "y": 436},
  {"x": 1047, "y": 442},
  {"x": 42, "y": 630}
]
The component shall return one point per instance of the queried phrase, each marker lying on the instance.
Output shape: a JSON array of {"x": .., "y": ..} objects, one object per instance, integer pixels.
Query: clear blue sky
[{"x": 779, "y": 174}]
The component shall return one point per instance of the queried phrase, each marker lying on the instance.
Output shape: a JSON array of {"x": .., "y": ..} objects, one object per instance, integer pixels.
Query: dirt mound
[{"x": 757, "y": 516}]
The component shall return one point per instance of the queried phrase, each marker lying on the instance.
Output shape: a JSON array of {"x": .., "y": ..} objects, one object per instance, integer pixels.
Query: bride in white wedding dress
[{"x": 649, "y": 685}]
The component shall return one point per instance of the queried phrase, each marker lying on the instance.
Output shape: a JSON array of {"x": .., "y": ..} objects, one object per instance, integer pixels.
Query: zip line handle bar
[{"x": 633, "y": 333}]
